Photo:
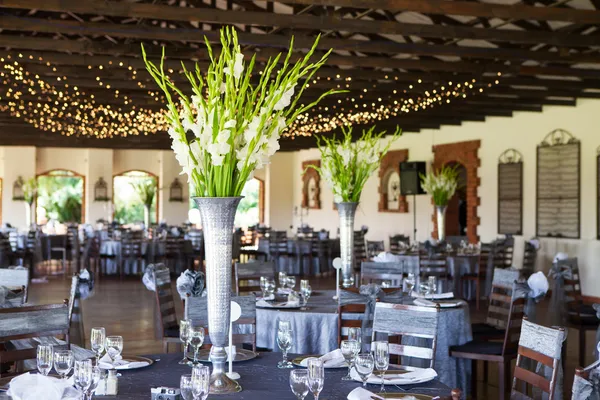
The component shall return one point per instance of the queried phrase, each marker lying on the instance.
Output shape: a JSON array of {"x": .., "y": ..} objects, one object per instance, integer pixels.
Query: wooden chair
[
  {"x": 167, "y": 325},
  {"x": 278, "y": 249},
  {"x": 582, "y": 383},
  {"x": 410, "y": 322},
  {"x": 49, "y": 320},
  {"x": 197, "y": 239},
  {"x": 374, "y": 247},
  {"x": 196, "y": 310},
  {"x": 542, "y": 345},
  {"x": 132, "y": 254},
  {"x": 247, "y": 275},
  {"x": 398, "y": 242},
  {"x": 499, "y": 352},
  {"x": 349, "y": 316},
  {"x": 380, "y": 272},
  {"x": 529, "y": 259},
  {"x": 75, "y": 313},
  {"x": 436, "y": 265},
  {"x": 15, "y": 279}
]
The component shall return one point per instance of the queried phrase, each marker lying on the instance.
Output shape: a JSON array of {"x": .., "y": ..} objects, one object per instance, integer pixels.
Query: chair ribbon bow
[
  {"x": 190, "y": 282},
  {"x": 558, "y": 299},
  {"x": 588, "y": 389},
  {"x": 522, "y": 289}
]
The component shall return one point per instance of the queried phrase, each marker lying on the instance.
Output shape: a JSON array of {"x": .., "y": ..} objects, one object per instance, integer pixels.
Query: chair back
[
  {"x": 583, "y": 382},
  {"x": 542, "y": 345},
  {"x": 513, "y": 325},
  {"x": 360, "y": 248},
  {"x": 75, "y": 313},
  {"x": 374, "y": 247},
  {"x": 435, "y": 264},
  {"x": 408, "y": 321},
  {"x": 501, "y": 297},
  {"x": 398, "y": 242},
  {"x": 165, "y": 302},
  {"x": 380, "y": 272},
  {"x": 529, "y": 259},
  {"x": 278, "y": 243},
  {"x": 572, "y": 289},
  {"x": 15, "y": 278},
  {"x": 31, "y": 322},
  {"x": 247, "y": 275},
  {"x": 196, "y": 310}
]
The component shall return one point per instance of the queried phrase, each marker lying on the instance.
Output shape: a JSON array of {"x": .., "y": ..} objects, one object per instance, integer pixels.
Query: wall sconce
[
  {"x": 101, "y": 190},
  {"x": 176, "y": 191},
  {"x": 18, "y": 194}
]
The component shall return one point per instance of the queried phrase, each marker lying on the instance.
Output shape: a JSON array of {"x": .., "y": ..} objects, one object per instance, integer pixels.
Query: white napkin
[
  {"x": 406, "y": 378},
  {"x": 118, "y": 363},
  {"x": 269, "y": 297},
  {"x": 333, "y": 359},
  {"x": 535, "y": 243},
  {"x": 293, "y": 299},
  {"x": 436, "y": 296},
  {"x": 37, "y": 386},
  {"x": 538, "y": 283},
  {"x": 386, "y": 257},
  {"x": 283, "y": 291},
  {"x": 560, "y": 256},
  {"x": 445, "y": 304},
  {"x": 362, "y": 394}
]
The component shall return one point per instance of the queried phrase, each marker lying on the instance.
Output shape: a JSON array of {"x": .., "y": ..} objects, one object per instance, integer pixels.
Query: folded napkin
[
  {"x": 284, "y": 291},
  {"x": 362, "y": 394},
  {"x": 401, "y": 378},
  {"x": 333, "y": 359},
  {"x": 538, "y": 283},
  {"x": 560, "y": 256},
  {"x": 429, "y": 303},
  {"x": 387, "y": 257},
  {"x": 265, "y": 304},
  {"x": 436, "y": 296},
  {"x": 293, "y": 299},
  {"x": 535, "y": 243},
  {"x": 37, "y": 386},
  {"x": 269, "y": 297},
  {"x": 118, "y": 363}
]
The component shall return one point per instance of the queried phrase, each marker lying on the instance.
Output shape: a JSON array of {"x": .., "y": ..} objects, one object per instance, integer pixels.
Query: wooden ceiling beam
[{"x": 308, "y": 22}]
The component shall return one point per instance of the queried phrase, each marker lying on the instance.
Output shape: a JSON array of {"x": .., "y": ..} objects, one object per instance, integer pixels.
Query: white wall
[
  {"x": 279, "y": 191},
  {"x": 173, "y": 212},
  {"x": 17, "y": 162},
  {"x": 524, "y": 131}
]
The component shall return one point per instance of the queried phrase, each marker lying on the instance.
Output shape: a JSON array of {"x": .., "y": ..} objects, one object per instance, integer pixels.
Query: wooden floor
[{"x": 127, "y": 308}]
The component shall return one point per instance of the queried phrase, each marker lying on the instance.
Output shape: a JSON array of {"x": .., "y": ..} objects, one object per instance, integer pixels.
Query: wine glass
[
  {"x": 270, "y": 287},
  {"x": 304, "y": 283},
  {"x": 355, "y": 334},
  {"x": 381, "y": 354},
  {"x": 44, "y": 358},
  {"x": 299, "y": 383},
  {"x": 82, "y": 374},
  {"x": 184, "y": 328},
  {"x": 316, "y": 376},
  {"x": 364, "y": 365},
  {"x": 263, "y": 285},
  {"x": 410, "y": 282},
  {"x": 348, "y": 348},
  {"x": 282, "y": 279},
  {"x": 291, "y": 282},
  {"x": 196, "y": 339},
  {"x": 186, "y": 387},
  {"x": 63, "y": 362},
  {"x": 97, "y": 340},
  {"x": 284, "y": 341},
  {"x": 200, "y": 382},
  {"x": 114, "y": 347},
  {"x": 305, "y": 291},
  {"x": 96, "y": 376},
  {"x": 432, "y": 283}
]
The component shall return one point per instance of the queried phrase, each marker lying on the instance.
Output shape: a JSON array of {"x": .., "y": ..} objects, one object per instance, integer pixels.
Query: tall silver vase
[
  {"x": 218, "y": 214},
  {"x": 441, "y": 222},
  {"x": 346, "y": 211}
]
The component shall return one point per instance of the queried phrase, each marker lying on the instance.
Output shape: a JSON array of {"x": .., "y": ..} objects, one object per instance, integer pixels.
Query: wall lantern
[
  {"x": 176, "y": 191},
  {"x": 18, "y": 194},
  {"x": 101, "y": 190}
]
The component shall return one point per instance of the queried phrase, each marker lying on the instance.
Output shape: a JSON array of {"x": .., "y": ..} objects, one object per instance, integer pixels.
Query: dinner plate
[
  {"x": 4, "y": 381},
  {"x": 133, "y": 359},
  {"x": 375, "y": 380},
  {"x": 298, "y": 360},
  {"x": 241, "y": 355},
  {"x": 278, "y": 306},
  {"x": 442, "y": 303},
  {"x": 401, "y": 396}
]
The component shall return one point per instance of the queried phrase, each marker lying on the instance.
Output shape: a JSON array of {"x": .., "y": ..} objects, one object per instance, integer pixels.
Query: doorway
[{"x": 60, "y": 197}]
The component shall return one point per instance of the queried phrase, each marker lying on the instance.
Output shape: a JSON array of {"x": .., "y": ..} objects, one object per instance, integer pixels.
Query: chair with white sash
[{"x": 15, "y": 279}]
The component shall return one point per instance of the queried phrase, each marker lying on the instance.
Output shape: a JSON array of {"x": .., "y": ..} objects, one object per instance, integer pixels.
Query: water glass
[
  {"x": 282, "y": 279},
  {"x": 196, "y": 339},
  {"x": 316, "y": 376},
  {"x": 200, "y": 382},
  {"x": 410, "y": 282},
  {"x": 185, "y": 385},
  {"x": 299, "y": 383},
  {"x": 284, "y": 341},
  {"x": 82, "y": 374},
  {"x": 381, "y": 354},
  {"x": 304, "y": 283},
  {"x": 270, "y": 287},
  {"x": 114, "y": 347},
  {"x": 355, "y": 334},
  {"x": 263, "y": 285},
  {"x": 184, "y": 328},
  {"x": 45, "y": 353},
  {"x": 291, "y": 282},
  {"x": 348, "y": 348},
  {"x": 96, "y": 376},
  {"x": 97, "y": 339},
  {"x": 364, "y": 365},
  {"x": 63, "y": 362},
  {"x": 432, "y": 283},
  {"x": 305, "y": 291}
]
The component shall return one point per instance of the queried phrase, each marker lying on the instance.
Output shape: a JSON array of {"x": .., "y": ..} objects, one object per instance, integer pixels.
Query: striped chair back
[
  {"x": 380, "y": 272},
  {"x": 165, "y": 301},
  {"x": 247, "y": 275},
  {"x": 501, "y": 297}
]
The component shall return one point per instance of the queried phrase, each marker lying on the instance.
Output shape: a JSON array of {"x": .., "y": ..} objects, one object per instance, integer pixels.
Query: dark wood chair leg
[
  {"x": 474, "y": 379},
  {"x": 507, "y": 376},
  {"x": 501, "y": 381},
  {"x": 581, "y": 346},
  {"x": 485, "y": 371},
  {"x": 477, "y": 292}
]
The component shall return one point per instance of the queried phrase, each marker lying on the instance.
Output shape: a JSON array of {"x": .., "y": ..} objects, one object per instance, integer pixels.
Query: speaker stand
[{"x": 415, "y": 217}]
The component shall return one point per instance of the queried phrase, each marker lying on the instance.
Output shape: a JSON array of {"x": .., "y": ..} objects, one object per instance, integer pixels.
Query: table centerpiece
[{"x": 441, "y": 185}]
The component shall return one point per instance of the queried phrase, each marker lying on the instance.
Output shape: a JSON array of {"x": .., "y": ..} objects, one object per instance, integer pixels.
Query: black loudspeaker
[{"x": 410, "y": 180}]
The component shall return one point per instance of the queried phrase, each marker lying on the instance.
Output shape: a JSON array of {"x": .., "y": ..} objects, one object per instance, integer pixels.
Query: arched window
[
  {"x": 131, "y": 190},
  {"x": 60, "y": 197}
]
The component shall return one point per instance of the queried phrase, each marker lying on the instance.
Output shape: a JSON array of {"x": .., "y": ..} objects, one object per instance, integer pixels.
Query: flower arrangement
[
  {"x": 235, "y": 125},
  {"x": 441, "y": 185},
  {"x": 346, "y": 166},
  {"x": 30, "y": 190},
  {"x": 146, "y": 190}
]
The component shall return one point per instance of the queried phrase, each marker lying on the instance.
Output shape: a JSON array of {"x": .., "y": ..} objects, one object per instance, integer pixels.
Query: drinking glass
[
  {"x": 304, "y": 283},
  {"x": 82, "y": 374},
  {"x": 364, "y": 365},
  {"x": 200, "y": 382},
  {"x": 185, "y": 385},
  {"x": 284, "y": 341},
  {"x": 263, "y": 285},
  {"x": 184, "y": 328},
  {"x": 270, "y": 287},
  {"x": 196, "y": 338},
  {"x": 305, "y": 291},
  {"x": 381, "y": 354},
  {"x": 410, "y": 282},
  {"x": 44, "y": 358},
  {"x": 348, "y": 348},
  {"x": 291, "y": 282},
  {"x": 97, "y": 339},
  {"x": 114, "y": 347},
  {"x": 96, "y": 375},
  {"x": 424, "y": 288},
  {"x": 316, "y": 376},
  {"x": 355, "y": 334},
  {"x": 299, "y": 383},
  {"x": 63, "y": 362},
  {"x": 432, "y": 283},
  {"x": 282, "y": 279}
]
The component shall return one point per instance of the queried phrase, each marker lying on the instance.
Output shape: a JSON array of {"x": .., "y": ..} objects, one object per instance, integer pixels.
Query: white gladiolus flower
[
  {"x": 173, "y": 133},
  {"x": 285, "y": 99},
  {"x": 238, "y": 67}
]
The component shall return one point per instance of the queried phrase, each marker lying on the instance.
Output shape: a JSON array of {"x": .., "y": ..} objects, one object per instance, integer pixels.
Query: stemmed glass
[
  {"x": 82, "y": 374},
  {"x": 186, "y": 387},
  {"x": 63, "y": 362},
  {"x": 364, "y": 365},
  {"x": 184, "y": 329},
  {"x": 305, "y": 291},
  {"x": 263, "y": 285},
  {"x": 96, "y": 375},
  {"x": 284, "y": 341},
  {"x": 44, "y": 358},
  {"x": 291, "y": 282},
  {"x": 348, "y": 348},
  {"x": 196, "y": 339},
  {"x": 97, "y": 339},
  {"x": 269, "y": 287},
  {"x": 410, "y": 282},
  {"x": 114, "y": 347},
  {"x": 200, "y": 382},
  {"x": 282, "y": 279},
  {"x": 316, "y": 376},
  {"x": 381, "y": 353},
  {"x": 299, "y": 383}
]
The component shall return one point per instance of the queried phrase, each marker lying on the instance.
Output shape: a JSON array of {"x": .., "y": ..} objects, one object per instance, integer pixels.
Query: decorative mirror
[
  {"x": 311, "y": 185},
  {"x": 176, "y": 191},
  {"x": 390, "y": 199},
  {"x": 18, "y": 189},
  {"x": 101, "y": 190}
]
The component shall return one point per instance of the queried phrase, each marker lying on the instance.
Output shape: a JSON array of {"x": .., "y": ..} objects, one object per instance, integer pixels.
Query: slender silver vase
[
  {"x": 441, "y": 222},
  {"x": 218, "y": 214},
  {"x": 346, "y": 211}
]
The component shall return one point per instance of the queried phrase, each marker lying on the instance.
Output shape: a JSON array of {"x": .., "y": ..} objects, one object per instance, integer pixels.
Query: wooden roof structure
[{"x": 487, "y": 58}]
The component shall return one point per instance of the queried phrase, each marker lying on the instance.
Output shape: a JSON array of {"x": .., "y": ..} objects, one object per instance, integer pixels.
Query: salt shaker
[
  {"x": 112, "y": 383},
  {"x": 101, "y": 388}
]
